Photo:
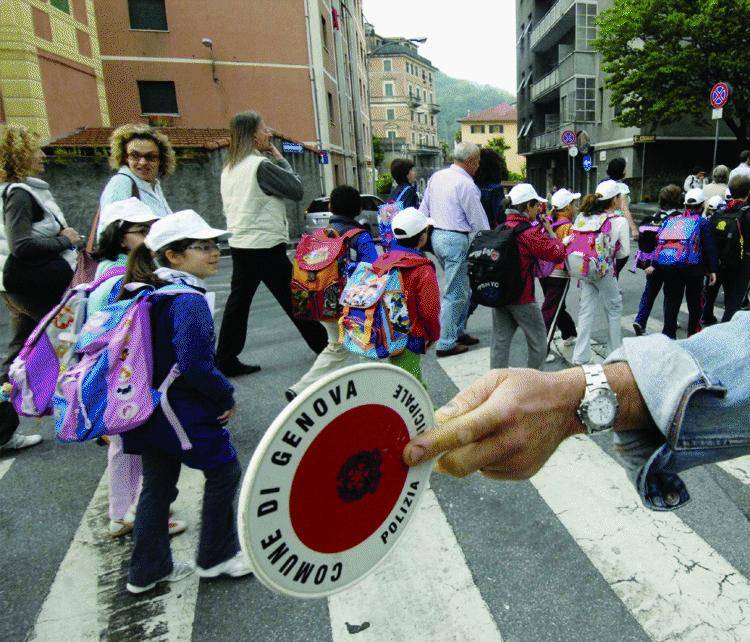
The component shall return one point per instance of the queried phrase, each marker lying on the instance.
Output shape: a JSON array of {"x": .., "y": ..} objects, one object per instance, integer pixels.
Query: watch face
[{"x": 601, "y": 410}]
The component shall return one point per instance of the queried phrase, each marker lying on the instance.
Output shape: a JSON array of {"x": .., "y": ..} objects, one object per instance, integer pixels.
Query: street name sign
[
  {"x": 640, "y": 139},
  {"x": 292, "y": 148}
]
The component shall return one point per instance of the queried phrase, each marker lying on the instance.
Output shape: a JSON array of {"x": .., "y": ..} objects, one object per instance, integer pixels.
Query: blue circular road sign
[{"x": 588, "y": 163}]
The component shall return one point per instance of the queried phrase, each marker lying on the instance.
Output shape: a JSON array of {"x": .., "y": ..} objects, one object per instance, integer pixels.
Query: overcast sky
[{"x": 471, "y": 39}]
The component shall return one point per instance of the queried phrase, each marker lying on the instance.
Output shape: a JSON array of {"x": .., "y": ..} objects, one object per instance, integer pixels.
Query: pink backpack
[
  {"x": 48, "y": 351},
  {"x": 109, "y": 391},
  {"x": 591, "y": 251}
]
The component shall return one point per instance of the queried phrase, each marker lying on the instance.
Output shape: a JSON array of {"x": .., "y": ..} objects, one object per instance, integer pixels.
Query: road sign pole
[
  {"x": 716, "y": 143},
  {"x": 643, "y": 170}
]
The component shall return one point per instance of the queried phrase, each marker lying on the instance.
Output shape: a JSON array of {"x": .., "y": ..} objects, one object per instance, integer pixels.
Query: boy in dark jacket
[{"x": 411, "y": 231}]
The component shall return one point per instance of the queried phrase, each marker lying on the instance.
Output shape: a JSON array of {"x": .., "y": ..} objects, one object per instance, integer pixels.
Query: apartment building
[
  {"x": 403, "y": 102},
  {"x": 561, "y": 87},
  {"x": 194, "y": 64},
  {"x": 51, "y": 77},
  {"x": 500, "y": 121}
]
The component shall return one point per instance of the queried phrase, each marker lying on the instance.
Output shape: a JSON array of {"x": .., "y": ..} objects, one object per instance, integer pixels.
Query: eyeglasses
[
  {"x": 149, "y": 157},
  {"x": 208, "y": 246},
  {"x": 138, "y": 230}
]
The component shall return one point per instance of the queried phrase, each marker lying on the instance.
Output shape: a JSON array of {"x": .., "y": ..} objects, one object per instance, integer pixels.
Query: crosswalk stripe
[
  {"x": 423, "y": 591},
  {"x": 88, "y": 597},
  {"x": 5, "y": 465},
  {"x": 674, "y": 583},
  {"x": 738, "y": 468}
]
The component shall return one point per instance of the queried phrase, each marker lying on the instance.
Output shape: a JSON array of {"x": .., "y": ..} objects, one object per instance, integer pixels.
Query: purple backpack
[
  {"x": 48, "y": 351},
  {"x": 109, "y": 391}
]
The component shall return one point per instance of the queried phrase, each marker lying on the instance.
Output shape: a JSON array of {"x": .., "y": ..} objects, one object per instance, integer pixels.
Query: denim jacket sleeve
[{"x": 698, "y": 394}]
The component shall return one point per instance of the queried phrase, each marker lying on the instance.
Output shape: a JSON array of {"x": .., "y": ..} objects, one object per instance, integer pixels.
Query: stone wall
[{"x": 77, "y": 180}]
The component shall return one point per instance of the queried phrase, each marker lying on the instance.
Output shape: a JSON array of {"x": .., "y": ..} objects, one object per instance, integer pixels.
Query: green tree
[
  {"x": 498, "y": 144},
  {"x": 457, "y": 136},
  {"x": 663, "y": 56},
  {"x": 377, "y": 151},
  {"x": 446, "y": 152}
]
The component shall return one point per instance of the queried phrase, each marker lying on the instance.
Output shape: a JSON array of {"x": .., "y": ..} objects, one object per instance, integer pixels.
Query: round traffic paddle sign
[
  {"x": 326, "y": 495},
  {"x": 719, "y": 95}
]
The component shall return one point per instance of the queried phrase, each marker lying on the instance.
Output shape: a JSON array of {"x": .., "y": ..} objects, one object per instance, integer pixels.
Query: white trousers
[{"x": 605, "y": 294}]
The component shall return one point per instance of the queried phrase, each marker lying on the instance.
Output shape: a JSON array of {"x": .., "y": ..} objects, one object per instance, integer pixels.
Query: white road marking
[
  {"x": 667, "y": 576},
  {"x": 739, "y": 468},
  {"x": 5, "y": 465},
  {"x": 423, "y": 591},
  {"x": 88, "y": 600}
]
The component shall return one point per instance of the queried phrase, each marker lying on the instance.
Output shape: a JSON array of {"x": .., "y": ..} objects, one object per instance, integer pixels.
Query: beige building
[
  {"x": 51, "y": 77},
  {"x": 403, "y": 102},
  {"x": 499, "y": 121}
]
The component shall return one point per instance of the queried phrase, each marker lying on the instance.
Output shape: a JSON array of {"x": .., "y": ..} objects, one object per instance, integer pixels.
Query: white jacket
[{"x": 255, "y": 219}]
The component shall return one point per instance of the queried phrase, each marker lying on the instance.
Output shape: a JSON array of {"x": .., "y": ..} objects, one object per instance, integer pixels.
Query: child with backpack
[
  {"x": 731, "y": 230},
  {"x": 533, "y": 243},
  {"x": 555, "y": 286},
  {"x": 685, "y": 252},
  {"x": 357, "y": 245},
  {"x": 200, "y": 399},
  {"x": 599, "y": 237},
  {"x": 670, "y": 199}
]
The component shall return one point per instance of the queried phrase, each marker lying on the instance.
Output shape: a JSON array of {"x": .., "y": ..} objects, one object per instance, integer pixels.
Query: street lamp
[{"x": 207, "y": 42}]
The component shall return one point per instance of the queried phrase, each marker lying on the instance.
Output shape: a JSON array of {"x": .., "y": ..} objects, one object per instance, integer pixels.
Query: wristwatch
[{"x": 598, "y": 408}]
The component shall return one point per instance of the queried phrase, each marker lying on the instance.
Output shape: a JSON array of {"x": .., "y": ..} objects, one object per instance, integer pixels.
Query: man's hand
[
  {"x": 507, "y": 424},
  {"x": 273, "y": 152}
]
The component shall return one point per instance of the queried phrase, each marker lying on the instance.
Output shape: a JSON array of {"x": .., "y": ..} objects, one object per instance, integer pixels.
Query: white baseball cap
[
  {"x": 563, "y": 197},
  {"x": 715, "y": 202},
  {"x": 523, "y": 193},
  {"x": 187, "y": 224},
  {"x": 409, "y": 222},
  {"x": 694, "y": 196},
  {"x": 131, "y": 210},
  {"x": 608, "y": 189}
]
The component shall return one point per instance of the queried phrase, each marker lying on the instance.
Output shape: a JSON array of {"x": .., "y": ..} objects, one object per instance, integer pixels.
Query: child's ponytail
[
  {"x": 141, "y": 267},
  {"x": 588, "y": 204}
]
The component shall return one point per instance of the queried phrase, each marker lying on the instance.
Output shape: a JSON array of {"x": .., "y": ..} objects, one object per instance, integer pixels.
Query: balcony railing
[
  {"x": 548, "y": 83},
  {"x": 412, "y": 101},
  {"x": 548, "y": 140},
  {"x": 557, "y": 11}
]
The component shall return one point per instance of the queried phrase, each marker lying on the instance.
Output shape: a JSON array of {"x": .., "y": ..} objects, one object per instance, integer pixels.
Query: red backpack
[{"x": 318, "y": 274}]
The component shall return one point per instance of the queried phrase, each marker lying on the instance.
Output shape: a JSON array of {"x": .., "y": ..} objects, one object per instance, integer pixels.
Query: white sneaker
[
  {"x": 550, "y": 358},
  {"x": 119, "y": 527},
  {"x": 570, "y": 341},
  {"x": 18, "y": 441},
  {"x": 180, "y": 571},
  {"x": 176, "y": 526},
  {"x": 236, "y": 566}
]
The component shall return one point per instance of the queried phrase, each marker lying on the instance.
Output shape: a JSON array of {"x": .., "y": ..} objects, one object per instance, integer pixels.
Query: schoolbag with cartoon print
[
  {"x": 679, "y": 240},
  {"x": 591, "y": 252},
  {"x": 319, "y": 274}
]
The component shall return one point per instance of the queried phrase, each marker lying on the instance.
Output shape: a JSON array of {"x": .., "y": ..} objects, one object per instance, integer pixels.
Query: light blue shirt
[
  {"x": 697, "y": 391},
  {"x": 120, "y": 188},
  {"x": 453, "y": 201}
]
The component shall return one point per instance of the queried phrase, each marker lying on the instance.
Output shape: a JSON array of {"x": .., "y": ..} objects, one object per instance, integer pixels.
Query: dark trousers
[
  {"x": 24, "y": 312},
  {"x": 554, "y": 289},
  {"x": 249, "y": 268},
  {"x": 687, "y": 282},
  {"x": 152, "y": 556},
  {"x": 654, "y": 283},
  {"x": 735, "y": 286}
]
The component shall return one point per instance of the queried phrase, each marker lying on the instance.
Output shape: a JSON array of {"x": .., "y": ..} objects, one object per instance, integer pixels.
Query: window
[
  {"x": 586, "y": 99},
  {"x": 324, "y": 32},
  {"x": 158, "y": 97},
  {"x": 432, "y": 121},
  {"x": 62, "y": 5},
  {"x": 411, "y": 111},
  {"x": 477, "y": 129},
  {"x": 413, "y": 138},
  {"x": 585, "y": 25},
  {"x": 390, "y": 114},
  {"x": 430, "y": 78},
  {"x": 391, "y": 134},
  {"x": 147, "y": 14},
  {"x": 331, "y": 112},
  {"x": 388, "y": 89},
  {"x": 496, "y": 129},
  {"x": 387, "y": 66}
]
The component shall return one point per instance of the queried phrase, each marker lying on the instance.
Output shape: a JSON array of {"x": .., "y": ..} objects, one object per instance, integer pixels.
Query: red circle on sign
[
  {"x": 349, "y": 480},
  {"x": 719, "y": 95}
]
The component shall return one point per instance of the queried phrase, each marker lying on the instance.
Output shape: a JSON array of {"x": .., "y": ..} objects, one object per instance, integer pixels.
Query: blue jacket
[
  {"x": 698, "y": 394},
  {"x": 362, "y": 244},
  {"x": 183, "y": 333}
]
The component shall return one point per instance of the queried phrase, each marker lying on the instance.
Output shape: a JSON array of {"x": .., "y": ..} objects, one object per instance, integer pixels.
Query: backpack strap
[{"x": 402, "y": 192}]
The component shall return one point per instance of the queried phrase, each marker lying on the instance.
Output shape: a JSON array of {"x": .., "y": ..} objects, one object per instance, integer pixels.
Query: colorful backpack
[
  {"x": 48, "y": 351},
  {"x": 678, "y": 241},
  {"x": 318, "y": 274},
  {"x": 386, "y": 212},
  {"x": 591, "y": 251},
  {"x": 375, "y": 323},
  {"x": 109, "y": 391}
]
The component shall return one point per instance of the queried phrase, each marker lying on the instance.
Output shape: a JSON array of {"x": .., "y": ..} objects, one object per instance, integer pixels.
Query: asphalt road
[{"x": 568, "y": 555}]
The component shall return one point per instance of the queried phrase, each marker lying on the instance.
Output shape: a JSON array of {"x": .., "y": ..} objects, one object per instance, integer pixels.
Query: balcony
[
  {"x": 545, "y": 85},
  {"x": 549, "y": 140},
  {"x": 410, "y": 100},
  {"x": 579, "y": 63},
  {"x": 554, "y": 24},
  {"x": 434, "y": 108}
]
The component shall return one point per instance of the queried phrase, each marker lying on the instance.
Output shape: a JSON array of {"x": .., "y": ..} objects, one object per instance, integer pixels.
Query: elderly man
[
  {"x": 743, "y": 169},
  {"x": 452, "y": 201}
]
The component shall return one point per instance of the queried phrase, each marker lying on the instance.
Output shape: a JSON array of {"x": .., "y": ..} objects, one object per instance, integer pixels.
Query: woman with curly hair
[
  {"x": 37, "y": 255},
  {"x": 141, "y": 155}
]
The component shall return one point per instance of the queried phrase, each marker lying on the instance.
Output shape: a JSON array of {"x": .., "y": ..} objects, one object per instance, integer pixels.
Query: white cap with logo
[
  {"x": 523, "y": 193},
  {"x": 131, "y": 210},
  {"x": 409, "y": 222},
  {"x": 563, "y": 197},
  {"x": 694, "y": 196},
  {"x": 187, "y": 224}
]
